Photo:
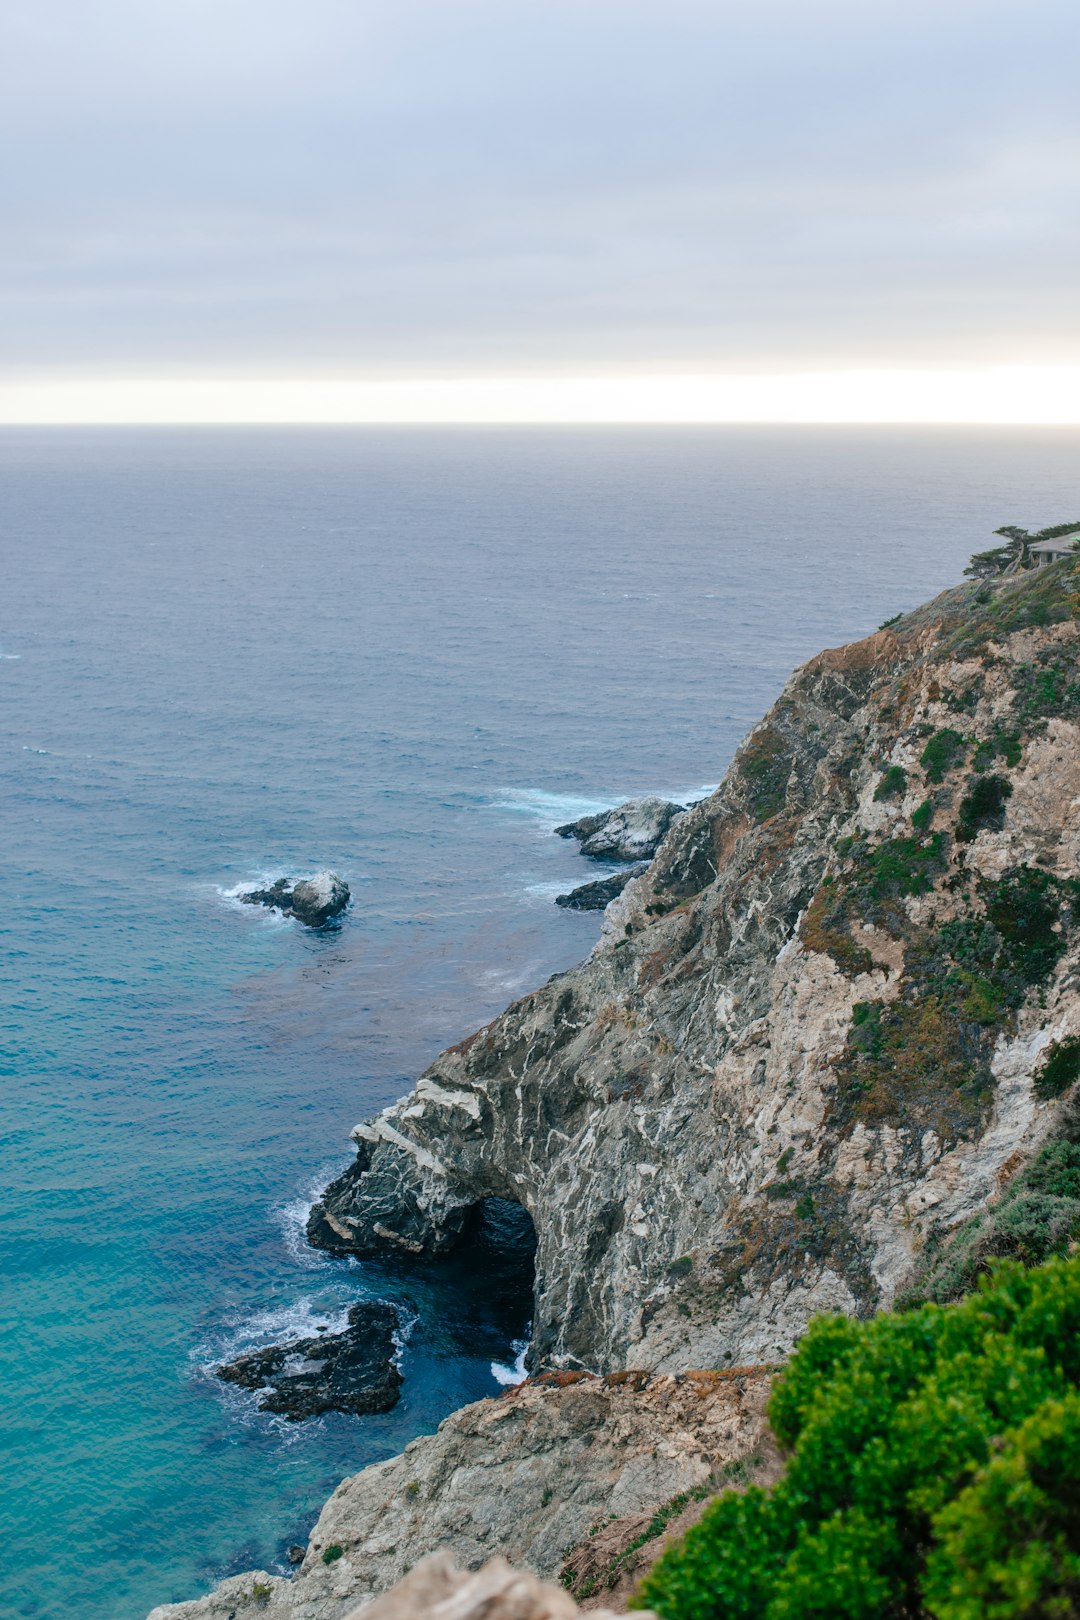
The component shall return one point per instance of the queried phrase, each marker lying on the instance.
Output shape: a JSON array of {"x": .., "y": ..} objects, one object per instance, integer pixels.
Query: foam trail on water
[
  {"x": 515, "y": 1373},
  {"x": 550, "y": 810},
  {"x": 548, "y": 891},
  {"x": 402, "y": 1334}
]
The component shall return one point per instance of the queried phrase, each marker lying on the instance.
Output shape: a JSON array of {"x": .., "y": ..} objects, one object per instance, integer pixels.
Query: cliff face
[{"x": 820, "y": 1030}]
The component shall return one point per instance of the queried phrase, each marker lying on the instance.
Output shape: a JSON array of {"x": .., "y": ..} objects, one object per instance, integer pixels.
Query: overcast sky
[{"x": 460, "y": 187}]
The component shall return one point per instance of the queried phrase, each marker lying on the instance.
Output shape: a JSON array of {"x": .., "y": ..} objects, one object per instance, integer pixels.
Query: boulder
[
  {"x": 595, "y": 896},
  {"x": 313, "y": 900},
  {"x": 352, "y": 1371},
  {"x": 632, "y": 831},
  {"x": 436, "y": 1590}
]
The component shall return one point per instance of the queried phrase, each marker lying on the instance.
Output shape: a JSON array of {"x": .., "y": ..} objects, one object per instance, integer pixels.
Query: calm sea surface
[{"x": 228, "y": 654}]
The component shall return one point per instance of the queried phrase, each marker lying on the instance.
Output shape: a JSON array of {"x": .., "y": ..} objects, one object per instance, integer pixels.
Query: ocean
[{"x": 407, "y": 654}]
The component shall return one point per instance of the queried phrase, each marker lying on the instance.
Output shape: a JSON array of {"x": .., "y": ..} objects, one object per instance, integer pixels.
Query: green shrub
[
  {"x": 332, "y": 1553},
  {"x": 1025, "y": 908},
  {"x": 923, "y": 816},
  {"x": 934, "y": 1468},
  {"x": 944, "y": 750},
  {"x": 892, "y": 783},
  {"x": 1037, "y": 1216},
  {"x": 1003, "y": 744},
  {"x": 897, "y": 868},
  {"x": 1047, "y": 687},
  {"x": 983, "y": 807},
  {"x": 766, "y": 762},
  {"x": 1059, "y": 1068},
  {"x": 1010, "y": 1543}
]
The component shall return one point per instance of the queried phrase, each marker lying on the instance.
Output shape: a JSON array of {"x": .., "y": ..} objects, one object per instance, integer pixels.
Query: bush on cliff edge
[{"x": 934, "y": 1469}]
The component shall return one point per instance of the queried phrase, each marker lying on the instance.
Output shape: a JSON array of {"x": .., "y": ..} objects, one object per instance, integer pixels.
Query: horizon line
[{"x": 998, "y": 395}]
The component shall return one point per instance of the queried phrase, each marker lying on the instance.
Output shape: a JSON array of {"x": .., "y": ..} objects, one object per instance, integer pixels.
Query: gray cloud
[{"x": 322, "y": 186}]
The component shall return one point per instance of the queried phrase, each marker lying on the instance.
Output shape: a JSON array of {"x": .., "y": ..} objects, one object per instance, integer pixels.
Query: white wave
[
  {"x": 292, "y": 1218},
  {"x": 548, "y": 891},
  {"x": 515, "y": 1373},
  {"x": 549, "y": 809},
  {"x": 495, "y": 981},
  {"x": 232, "y": 897},
  {"x": 280, "y": 1324},
  {"x": 402, "y": 1334},
  {"x": 241, "y": 1406},
  {"x": 13, "y": 657},
  {"x": 688, "y": 795},
  {"x": 257, "y": 880}
]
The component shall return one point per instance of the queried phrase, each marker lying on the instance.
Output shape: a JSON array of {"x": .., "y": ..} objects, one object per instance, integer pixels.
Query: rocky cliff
[
  {"x": 812, "y": 1035},
  {"x": 824, "y": 1033}
]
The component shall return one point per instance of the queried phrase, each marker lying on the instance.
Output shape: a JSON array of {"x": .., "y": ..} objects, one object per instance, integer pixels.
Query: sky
[{"x": 216, "y": 209}]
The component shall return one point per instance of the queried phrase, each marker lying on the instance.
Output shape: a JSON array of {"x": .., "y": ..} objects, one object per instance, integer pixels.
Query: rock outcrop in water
[
  {"x": 313, "y": 900},
  {"x": 812, "y": 1037},
  {"x": 596, "y": 896},
  {"x": 631, "y": 832},
  {"x": 354, "y": 1371}
]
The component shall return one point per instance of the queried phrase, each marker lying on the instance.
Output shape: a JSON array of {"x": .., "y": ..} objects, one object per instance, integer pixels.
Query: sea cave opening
[{"x": 487, "y": 1281}]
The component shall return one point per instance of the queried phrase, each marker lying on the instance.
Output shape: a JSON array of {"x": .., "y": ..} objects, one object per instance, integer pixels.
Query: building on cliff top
[{"x": 1052, "y": 551}]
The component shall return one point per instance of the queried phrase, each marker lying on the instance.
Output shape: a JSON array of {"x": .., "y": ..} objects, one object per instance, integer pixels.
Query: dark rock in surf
[
  {"x": 313, "y": 901},
  {"x": 632, "y": 831},
  {"x": 352, "y": 1371},
  {"x": 595, "y": 896}
]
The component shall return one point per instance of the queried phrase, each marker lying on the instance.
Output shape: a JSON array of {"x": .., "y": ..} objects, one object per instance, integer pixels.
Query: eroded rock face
[
  {"x": 313, "y": 901},
  {"x": 631, "y": 832},
  {"x": 595, "y": 896},
  {"x": 354, "y": 1371},
  {"x": 809, "y": 1038},
  {"x": 526, "y": 1475}
]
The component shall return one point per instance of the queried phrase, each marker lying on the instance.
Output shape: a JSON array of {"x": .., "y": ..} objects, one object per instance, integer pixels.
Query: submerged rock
[
  {"x": 632, "y": 831},
  {"x": 352, "y": 1371},
  {"x": 595, "y": 896},
  {"x": 313, "y": 900}
]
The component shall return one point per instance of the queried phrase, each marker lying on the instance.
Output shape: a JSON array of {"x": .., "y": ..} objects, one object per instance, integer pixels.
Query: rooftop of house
[{"x": 1063, "y": 543}]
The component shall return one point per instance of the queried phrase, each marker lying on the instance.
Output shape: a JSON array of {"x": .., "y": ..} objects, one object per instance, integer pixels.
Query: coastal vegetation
[{"x": 933, "y": 1468}]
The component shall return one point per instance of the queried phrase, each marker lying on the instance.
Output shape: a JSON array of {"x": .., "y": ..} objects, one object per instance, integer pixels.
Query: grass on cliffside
[{"x": 934, "y": 1470}]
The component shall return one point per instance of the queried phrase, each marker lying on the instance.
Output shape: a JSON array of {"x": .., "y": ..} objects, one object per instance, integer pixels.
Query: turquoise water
[{"x": 407, "y": 655}]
